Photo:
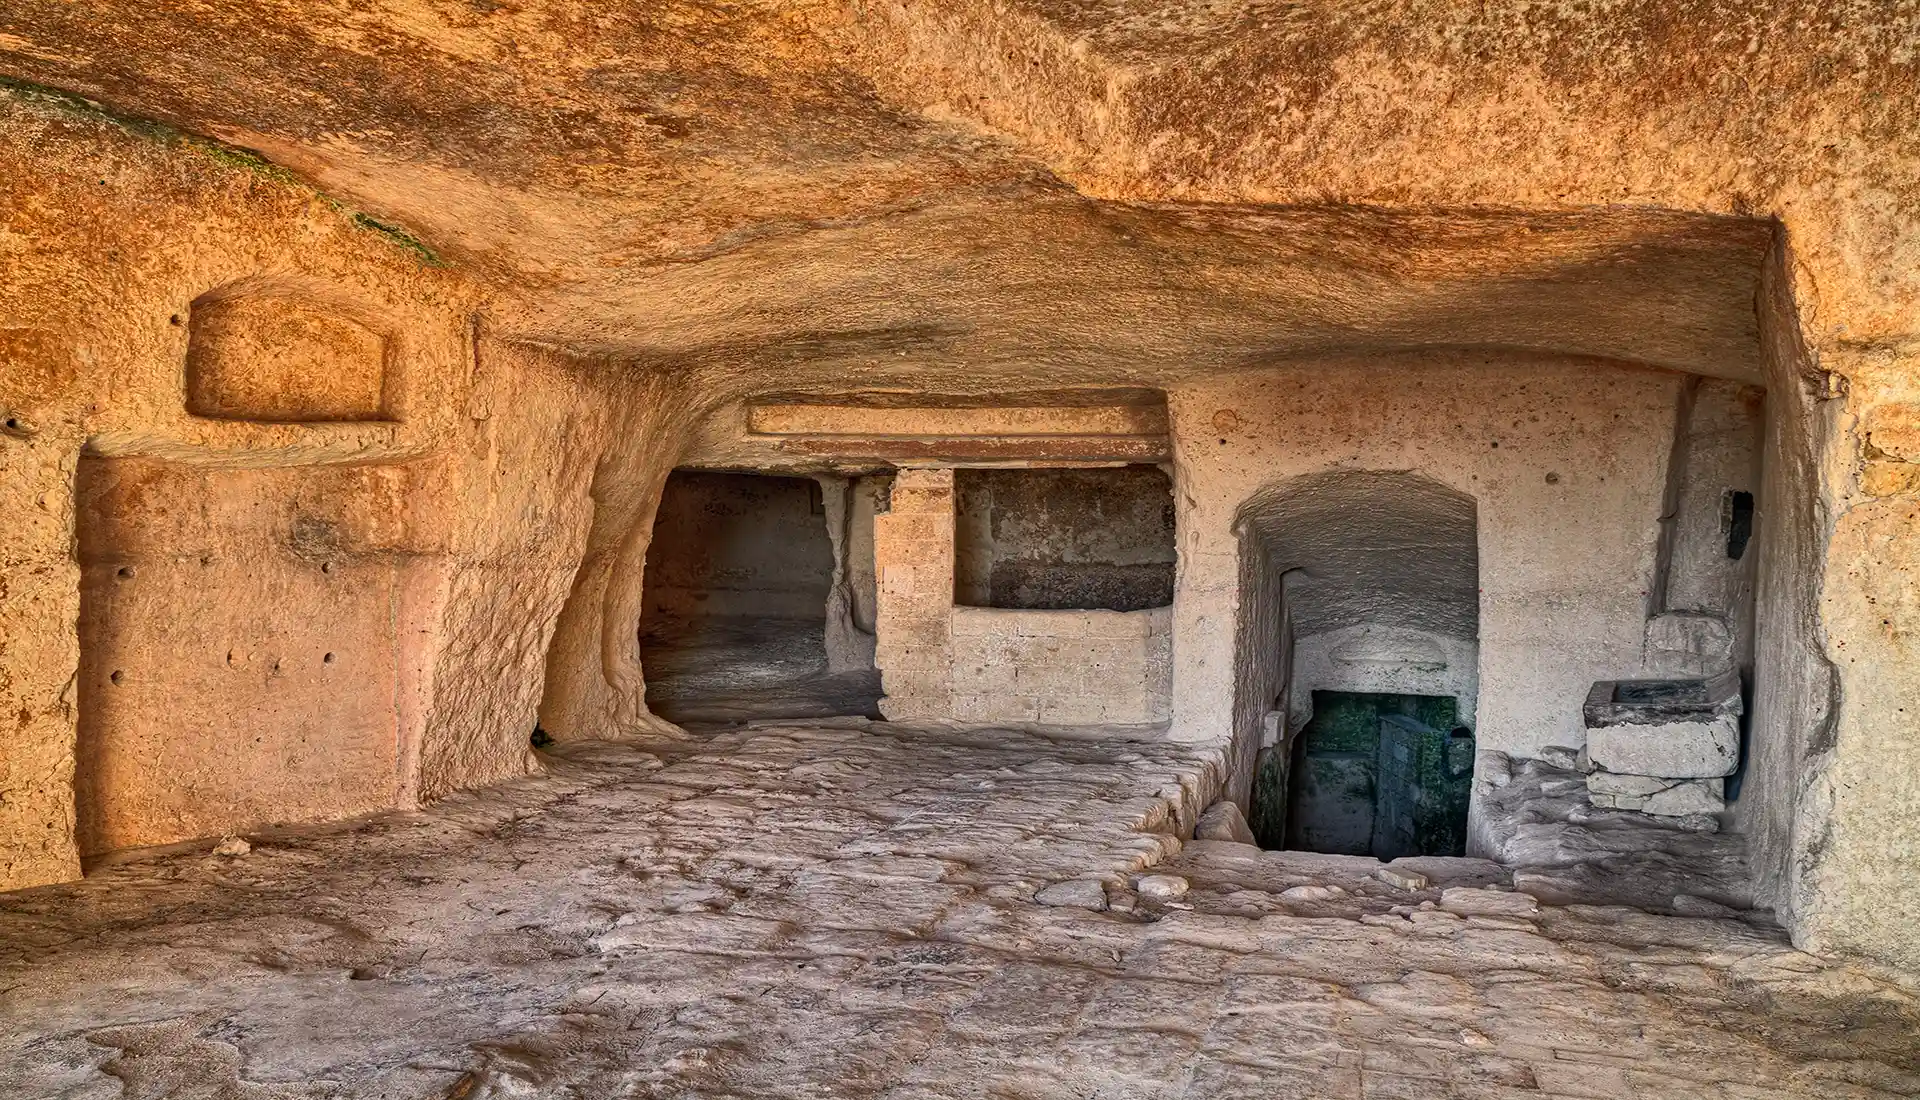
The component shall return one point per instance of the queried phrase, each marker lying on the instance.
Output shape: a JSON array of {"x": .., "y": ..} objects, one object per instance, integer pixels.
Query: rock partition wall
[
  {"x": 243, "y": 640},
  {"x": 1564, "y": 463},
  {"x": 913, "y": 557},
  {"x": 993, "y": 664},
  {"x": 119, "y": 236}
]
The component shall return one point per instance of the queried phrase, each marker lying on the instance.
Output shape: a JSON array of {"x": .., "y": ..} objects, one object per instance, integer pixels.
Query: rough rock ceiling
[
  {"x": 546, "y": 143},
  {"x": 1394, "y": 549},
  {"x": 812, "y": 188}
]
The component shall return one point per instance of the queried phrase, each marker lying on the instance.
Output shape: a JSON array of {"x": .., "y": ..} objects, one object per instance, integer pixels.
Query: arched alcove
[{"x": 1363, "y": 586}]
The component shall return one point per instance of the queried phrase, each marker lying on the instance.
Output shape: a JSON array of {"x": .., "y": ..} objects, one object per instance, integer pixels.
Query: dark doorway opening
[
  {"x": 1359, "y": 644},
  {"x": 1064, "y": 539},
  {"x": 739, "y": 574},
  {"x": 1380, "y": 775}
]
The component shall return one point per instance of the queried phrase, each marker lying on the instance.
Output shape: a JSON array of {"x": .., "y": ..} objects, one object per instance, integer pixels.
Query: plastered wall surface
[
  {"x": 1062, "y": 667},
  {"x": 1564, "y": 461}
]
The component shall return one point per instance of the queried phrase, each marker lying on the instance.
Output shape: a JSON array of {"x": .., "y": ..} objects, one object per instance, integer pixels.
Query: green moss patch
[{"x": 233, "y": 157}]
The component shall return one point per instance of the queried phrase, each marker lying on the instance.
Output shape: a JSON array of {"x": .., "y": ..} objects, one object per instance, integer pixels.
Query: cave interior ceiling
[{"x": 759, "y": 190}]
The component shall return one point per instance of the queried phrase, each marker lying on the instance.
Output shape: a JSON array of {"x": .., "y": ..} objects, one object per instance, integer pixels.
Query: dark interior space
[
  {"x": 735, "y": 621},
  {"x": 1381, "y": 775},
  {"x": 1364, "y": 597},
  {"x": 1098, "y": 538}
]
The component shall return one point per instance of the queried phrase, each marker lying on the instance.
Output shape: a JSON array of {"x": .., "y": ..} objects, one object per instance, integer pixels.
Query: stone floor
[
  {"x": 719, "y": 669},
  {"x": 843, "y": 909}
]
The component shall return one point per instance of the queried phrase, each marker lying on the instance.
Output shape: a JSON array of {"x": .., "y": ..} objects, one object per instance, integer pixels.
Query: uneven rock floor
[
  {"x": 838, "y": 909},
  {"x": 722, "y": 669}
]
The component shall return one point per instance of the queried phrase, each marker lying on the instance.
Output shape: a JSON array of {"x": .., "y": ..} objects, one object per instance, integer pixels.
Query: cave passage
[{"x": 737, "y": 583}]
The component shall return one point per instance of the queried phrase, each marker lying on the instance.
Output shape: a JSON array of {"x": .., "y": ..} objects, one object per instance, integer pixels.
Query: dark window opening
[
  {"x": 1064, "y": 539},
  {"x": 1380, "y": 775},
  {"x": 1739, "y": 510}
]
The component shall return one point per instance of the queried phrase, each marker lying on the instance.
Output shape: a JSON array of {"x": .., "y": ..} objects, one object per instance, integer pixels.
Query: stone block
[
  {"x": 898, "y": 579},
  {"x": 917, "y": 633},
  {"x": 976, "y": 622},
  {"x": 1674, "y": 729},
  {"x": 1673, "y": 750},
  {"x": 1655, "y": 795},
  {"x": 1051, "y": 624},
  {"x": 1042, "y": 679},
  {"x": 970, "y": 707},
  {"x": 1474, "y": 902},
  {"x": 1223, "y": 821},
  {"x": 1119, "y": 624},
  {"x": 921, "y": 499},
  {"x": 916, "y": 704},
  {"x": 914, "y": 527},
  {"x": 912, "y": 658},
  {"x": 985, "y": 675},
  {"x": 1410, "y": 881},
  {"x": 1073, "y": 709},
  {"x": 1016, "y": 708}
]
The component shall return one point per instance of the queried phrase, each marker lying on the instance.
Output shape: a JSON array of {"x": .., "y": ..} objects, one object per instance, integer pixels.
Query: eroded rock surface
[{"x": 840, "y": 908}]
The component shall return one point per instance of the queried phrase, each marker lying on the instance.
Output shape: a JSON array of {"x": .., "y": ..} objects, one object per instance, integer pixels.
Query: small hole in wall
[
  {"x": 327, "y": 660},
  {"x": 116, "y": 676},
  {"x": 124, "y": 572},
  {"x": 175, "y": 320},
  {"x": 541, "y": 738},
  {"x": 326, "y": 567},
  {"x": 13, "y": 423},
  {"x": 1553, "y": 479},
  {"x": 1738, "y": 511}
]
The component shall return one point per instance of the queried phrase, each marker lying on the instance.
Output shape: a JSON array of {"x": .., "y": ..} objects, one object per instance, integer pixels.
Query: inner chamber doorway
[
  {"x": 1364, "y": 588},
  {"x": 1380, "y": 775},
  {"x": 740, "y": 608}
]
